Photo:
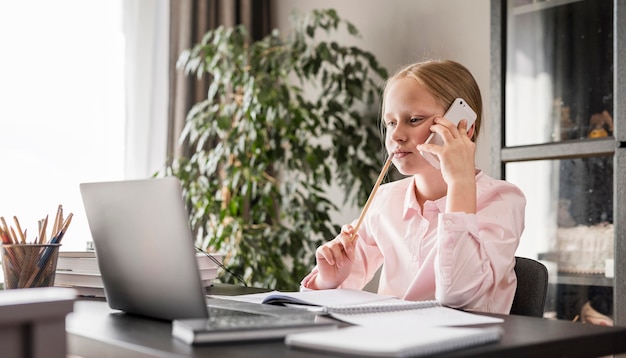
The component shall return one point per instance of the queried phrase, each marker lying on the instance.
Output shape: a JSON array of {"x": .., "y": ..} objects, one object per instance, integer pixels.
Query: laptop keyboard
[
  {"x": 223, "y": 312},
  {"x": 224, "y": 318}
]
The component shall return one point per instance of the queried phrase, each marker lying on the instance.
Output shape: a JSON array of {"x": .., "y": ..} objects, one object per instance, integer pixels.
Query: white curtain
[
  {"x": 146, "y": 29},
  {"x": 527, "y": 101}
]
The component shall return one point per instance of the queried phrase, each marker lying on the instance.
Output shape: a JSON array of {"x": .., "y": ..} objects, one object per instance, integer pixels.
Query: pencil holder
[{"x": 29, "y": 265}]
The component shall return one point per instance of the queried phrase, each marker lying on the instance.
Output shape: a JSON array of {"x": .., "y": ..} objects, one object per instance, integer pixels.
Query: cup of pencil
[{"x": 31, "y": 263}]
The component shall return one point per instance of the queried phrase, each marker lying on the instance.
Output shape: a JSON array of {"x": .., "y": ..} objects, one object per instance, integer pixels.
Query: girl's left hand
[
  {"x": 458, "y": 168},
  {"x": 456, "y": 156}
]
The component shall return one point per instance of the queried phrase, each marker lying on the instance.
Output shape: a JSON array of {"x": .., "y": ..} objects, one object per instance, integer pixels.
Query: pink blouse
[{"x": 461, "y": 260}]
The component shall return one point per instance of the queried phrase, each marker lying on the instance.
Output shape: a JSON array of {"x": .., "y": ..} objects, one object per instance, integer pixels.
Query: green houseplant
[{"x": 265, "y": 148}]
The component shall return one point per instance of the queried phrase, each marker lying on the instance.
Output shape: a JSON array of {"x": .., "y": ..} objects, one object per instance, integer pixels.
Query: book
[
  {"x": 78, "y": 264},
  {"x": 81, "y": 254},
  {"x": 66, "y": 278},
  {"x": 80, "y": 269},
  {"x": 86, "y": 291},
  {"x": 202, "y": 258},
  {"x": 384, "y": 341},
  {"x": 205, "y": 262},
  {"x": 83, "y": 291},
  {"x": 69, "y": 278},
  {"x": 78, "y": 261},
  {"x": 208, "y": 274},
  {"x": 86, "y": 262}
]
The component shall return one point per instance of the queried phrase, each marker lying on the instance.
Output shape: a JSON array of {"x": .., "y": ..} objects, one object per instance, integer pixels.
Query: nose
[{"x": 398, "y": 133}]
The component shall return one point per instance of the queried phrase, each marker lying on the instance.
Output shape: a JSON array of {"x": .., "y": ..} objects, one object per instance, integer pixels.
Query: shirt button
[
  {"x": 414, "y": 258},
  {"x": 448, "y": 222}
]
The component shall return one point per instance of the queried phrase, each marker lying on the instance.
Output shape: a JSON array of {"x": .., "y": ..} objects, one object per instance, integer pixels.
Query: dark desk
[{"x": 95, "y": 331}]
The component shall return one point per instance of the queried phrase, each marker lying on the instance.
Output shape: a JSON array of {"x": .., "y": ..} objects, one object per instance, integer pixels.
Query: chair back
[{"x": 532, "y": 287}]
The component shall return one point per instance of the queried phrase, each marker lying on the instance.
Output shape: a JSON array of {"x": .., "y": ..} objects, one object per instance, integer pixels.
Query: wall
[{"x": 400, "y": 32}]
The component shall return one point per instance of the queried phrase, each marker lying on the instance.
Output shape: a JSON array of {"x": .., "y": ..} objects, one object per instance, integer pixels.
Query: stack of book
[{"x": 79, "y": 270}]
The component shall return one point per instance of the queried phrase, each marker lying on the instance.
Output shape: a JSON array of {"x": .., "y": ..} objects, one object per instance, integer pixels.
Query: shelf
[
  {"x": 583, "y": 280},
  {"x": 559, "y": 63},
  {"x": 581, "y": 148},
  {"x": 538, "y": 5}
]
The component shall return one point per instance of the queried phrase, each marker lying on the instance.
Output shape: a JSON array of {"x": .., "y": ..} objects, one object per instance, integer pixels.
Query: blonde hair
[{"x": 446, "y": 80}]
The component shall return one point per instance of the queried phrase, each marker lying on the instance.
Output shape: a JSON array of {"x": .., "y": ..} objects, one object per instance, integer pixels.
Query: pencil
[
  {"x": 56, "y": 239},
  {"x": 5, "y": 237},
  {"x": 369, "y": 200},
  {"x": 19, "y": 229},
  {"x": 14, "y": 236},
  {"x": 42, "y": 231},
  {"x": 63, "y": 229},
  {"x": 6, "y": 230},
  {"x": 58, "y": 221}
]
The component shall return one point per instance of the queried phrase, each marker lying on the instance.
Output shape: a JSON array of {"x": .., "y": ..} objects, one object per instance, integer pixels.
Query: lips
[{"x": 401, "y": 154}]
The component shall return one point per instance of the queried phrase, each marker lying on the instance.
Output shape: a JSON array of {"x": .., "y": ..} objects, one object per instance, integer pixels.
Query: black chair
[{"x": 532, "y": 287}]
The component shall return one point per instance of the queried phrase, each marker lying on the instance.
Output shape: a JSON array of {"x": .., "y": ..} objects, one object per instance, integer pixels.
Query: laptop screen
[{"x": 145, "y": 247}]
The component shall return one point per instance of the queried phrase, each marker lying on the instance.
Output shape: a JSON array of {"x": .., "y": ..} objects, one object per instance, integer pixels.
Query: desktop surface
[{"x": 93, "y": 328}]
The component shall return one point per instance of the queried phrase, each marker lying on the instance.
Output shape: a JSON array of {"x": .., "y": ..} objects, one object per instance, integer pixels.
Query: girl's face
[{"x": 409, "y": 112}]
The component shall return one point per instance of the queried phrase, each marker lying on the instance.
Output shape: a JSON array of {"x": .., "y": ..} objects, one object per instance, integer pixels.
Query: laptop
[{"x": 146, "y": 255}]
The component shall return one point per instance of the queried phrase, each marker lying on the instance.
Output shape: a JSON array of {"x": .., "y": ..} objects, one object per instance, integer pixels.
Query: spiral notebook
[
  {"x": 383, "y": 341},
  {"x": 338, "y": 300},
  {"x": 369, "y": 309},
  {"x": 345, "y": 301}
]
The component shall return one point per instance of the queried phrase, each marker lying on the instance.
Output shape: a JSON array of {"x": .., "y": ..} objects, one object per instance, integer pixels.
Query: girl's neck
[{"x": 429, "y": 186}]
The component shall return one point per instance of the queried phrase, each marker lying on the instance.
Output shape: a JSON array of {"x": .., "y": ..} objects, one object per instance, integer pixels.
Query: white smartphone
[{"x": 459, "y": 109}]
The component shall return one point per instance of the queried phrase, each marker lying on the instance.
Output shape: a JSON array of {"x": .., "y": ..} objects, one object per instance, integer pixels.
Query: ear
[{"x": 471, "y": 130}]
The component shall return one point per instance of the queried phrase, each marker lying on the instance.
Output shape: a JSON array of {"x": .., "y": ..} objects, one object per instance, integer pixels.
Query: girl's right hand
[{"x": 335, "y": 258}]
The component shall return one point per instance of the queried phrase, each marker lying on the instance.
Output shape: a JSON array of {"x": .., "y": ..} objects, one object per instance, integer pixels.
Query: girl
[{"x": 448, "y": 234}]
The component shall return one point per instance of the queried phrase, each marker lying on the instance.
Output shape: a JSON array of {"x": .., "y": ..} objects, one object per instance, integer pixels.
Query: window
[{"x": 62, "y": 118}]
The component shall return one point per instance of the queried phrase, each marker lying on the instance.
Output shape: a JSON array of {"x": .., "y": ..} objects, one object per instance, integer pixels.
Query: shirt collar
[
  {"x": 411, "y": 205},
  {"x": 410, "y": 202}
]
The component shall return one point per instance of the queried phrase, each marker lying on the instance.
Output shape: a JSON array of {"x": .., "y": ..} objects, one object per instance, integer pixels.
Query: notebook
[
  {"x": 146, "y": 256},
  {"x": 348, "y": 301},
  {"x": 384, "y": 341},
  {"x": 370, "y": 309},
  {"x": 336, "y": 301}
]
